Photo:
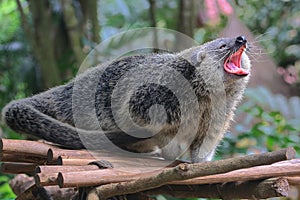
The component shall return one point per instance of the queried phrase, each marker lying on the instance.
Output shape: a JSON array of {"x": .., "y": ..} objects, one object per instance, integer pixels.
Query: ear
[{"x": 198, "y": 57}]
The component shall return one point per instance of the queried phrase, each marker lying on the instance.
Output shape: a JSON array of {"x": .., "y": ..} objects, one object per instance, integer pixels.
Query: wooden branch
[
  {"x": 22, "y": 158},
  {"x": 188, "y": 171},
  {"x": 84, "y": 176},
  {"x": 74, "y": 161},
  {"x": 135, "y": 174},
  {"x": 106, "y": 176},
  {"x": 24, "y": 147},
  {"x": 46, "y": 179},
  {"x": 53, "y": 168},
  {"x": 23, "y": 186},
  {"x": 55, "y": 153},
  {"x": 59, "y": 156},
  {"x": 118, "y": 161},
  {"x": 92, "y": 178},
  {"x": 286, "y": 168},
  {"x": 47, "y": 175},
  {"x": 258, "y": 189},
  {"x": 18, "y": 168}
]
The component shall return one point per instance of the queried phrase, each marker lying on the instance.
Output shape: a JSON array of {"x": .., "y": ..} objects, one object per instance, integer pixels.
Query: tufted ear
[{"x": 198, "y": 57}]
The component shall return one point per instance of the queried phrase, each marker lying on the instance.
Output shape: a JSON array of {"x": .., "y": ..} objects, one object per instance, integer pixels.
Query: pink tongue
[{"x": 232, "y": 66}]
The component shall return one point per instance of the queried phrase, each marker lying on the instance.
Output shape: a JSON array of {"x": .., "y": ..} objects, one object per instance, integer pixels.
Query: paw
[{"x": 102, "y": 164}]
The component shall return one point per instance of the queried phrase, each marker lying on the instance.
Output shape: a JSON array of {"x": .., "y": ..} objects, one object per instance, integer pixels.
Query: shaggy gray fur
[{"x": 49, "y": 115}]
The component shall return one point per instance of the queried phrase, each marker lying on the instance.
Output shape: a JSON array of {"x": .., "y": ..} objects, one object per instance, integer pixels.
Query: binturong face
[{"x": 225, "y": 56}]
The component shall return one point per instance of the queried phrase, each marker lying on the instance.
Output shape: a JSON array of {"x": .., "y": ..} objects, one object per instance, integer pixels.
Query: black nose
[{"x": 241, "y": 39}]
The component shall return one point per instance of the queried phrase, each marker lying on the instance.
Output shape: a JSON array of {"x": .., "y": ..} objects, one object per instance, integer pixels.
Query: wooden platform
[{"x": 77, "y": 174}]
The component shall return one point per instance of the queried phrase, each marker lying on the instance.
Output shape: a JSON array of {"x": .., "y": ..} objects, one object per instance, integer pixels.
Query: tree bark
[
  {"x": 186, "y": 17},
  {"x": 91, "y": 22},
  {"x": 41, "y": 37},
  {"x": 56, "y": 37},
  {"x": 73, "y": 30}
]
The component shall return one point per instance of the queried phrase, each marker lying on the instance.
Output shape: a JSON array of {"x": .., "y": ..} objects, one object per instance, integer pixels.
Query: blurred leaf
[{"x": 9, "y": 20}]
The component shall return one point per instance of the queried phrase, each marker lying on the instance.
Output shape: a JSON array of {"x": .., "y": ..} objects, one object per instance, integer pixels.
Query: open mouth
[{"x": 232, "y": 64}]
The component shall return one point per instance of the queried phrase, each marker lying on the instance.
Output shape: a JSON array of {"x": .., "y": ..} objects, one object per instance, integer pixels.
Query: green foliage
[
  {"x": 277, "y": 23},
  {"x": 9, "y": 20},
  {"x": 15, "y": 69},
  {"x": 269, "y": 123},
  {"x": 270, "y": 132},
  {"x": 122, "y": 15},
  {"x": 5, "y": 190}
]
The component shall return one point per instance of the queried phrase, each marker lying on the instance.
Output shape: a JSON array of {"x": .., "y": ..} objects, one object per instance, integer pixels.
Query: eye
[{"x": 222, "y": 46}]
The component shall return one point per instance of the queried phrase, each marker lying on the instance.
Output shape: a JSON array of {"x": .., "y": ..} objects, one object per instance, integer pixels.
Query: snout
[{"x": 241, "y": 40}]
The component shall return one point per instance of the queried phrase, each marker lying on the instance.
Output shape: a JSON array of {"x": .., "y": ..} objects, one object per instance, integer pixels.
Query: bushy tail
[{"x": 24, "y": 117}]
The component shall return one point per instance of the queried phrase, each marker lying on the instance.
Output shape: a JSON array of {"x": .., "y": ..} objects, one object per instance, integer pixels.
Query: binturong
[{"x": 172, "y": 104}]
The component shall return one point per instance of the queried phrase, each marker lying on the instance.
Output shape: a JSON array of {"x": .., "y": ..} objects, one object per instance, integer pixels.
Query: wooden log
[
  {"x": 46, "y": 179},
  {"x": 92, "y": 178},
  {"x": 285, "y": 168},
  {"x": 47, "y": 193},
  {"x": 72, "y": 168},
  {"x": 54, "y": 154},
  {"x": 23, "y": 186},
  {"x": 23, "y": 158},
  {"x": 18, "y": 168},
  {"x": 188, "y": 171},
  {"x": 24, "y": 147},
  {"x": 118, "y": 161},
  {"x": 106, "y": 176},
  {"x": 73, "y": 161},
  {"x": 258, "y": 189},
  {"x": 121, "y": 163},
  {"x": 84, "y": 176}
]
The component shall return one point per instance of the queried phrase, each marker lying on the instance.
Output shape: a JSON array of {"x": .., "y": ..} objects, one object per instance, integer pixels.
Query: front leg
[
  {"x": 199, "y": 155},
  {"x": 210, "y": 134}
]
